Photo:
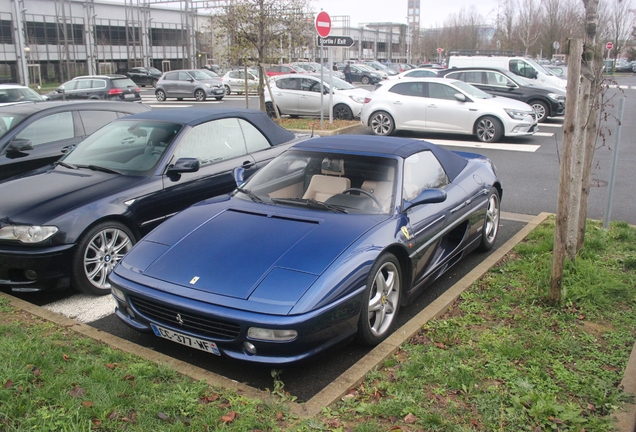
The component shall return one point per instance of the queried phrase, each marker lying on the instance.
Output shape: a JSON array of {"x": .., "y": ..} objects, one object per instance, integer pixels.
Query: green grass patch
[
  {"x": 309, "y": 124},
  {"x": 502, "y": 358}
]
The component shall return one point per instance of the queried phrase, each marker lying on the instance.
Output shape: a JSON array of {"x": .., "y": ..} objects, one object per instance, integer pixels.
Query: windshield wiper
[
  {"x": 250, "y": 194},
  {"x": 65, "y": 165},
  {"x": 312, "y": 203},
  {"x": 100, "y": 168}
]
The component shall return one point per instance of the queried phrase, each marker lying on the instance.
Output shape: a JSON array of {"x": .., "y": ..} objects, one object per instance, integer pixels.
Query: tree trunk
[{"x": 570, "y": 135}]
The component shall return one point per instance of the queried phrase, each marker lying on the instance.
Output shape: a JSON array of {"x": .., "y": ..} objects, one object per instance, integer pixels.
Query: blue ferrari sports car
[{"x": 321, "y": 246}]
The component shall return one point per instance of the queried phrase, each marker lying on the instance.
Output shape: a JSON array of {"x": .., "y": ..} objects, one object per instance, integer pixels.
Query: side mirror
[
  {"x": 238, "y": 173},
  {"x": 510, "y": 85},
  {"x": 19, "y": 145},
  {"x": 184, "y": 165},
  {"x": 461, "y": 97},
  {"x": 427, "y": 196},
  {"x": 60, "y": 89}
]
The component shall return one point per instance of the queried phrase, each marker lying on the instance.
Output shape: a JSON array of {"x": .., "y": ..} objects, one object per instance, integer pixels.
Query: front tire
[
  {"x": 199, "y": 95},
  {"x": 541, "y": 109},
  {"x": 382, "y": 123},
  {"x": 160, "y": 95},
  {"x": 98, "y": 250},
  {"x": 342, "y": 112},
  {"x": 491, "y": 222},
  {"x": 218, "y": 97},
  {"x": 365, "y": 80},
  {"x": 228, "y": 90},
  {"x": 381, "y": 301},
  {"x": 269, "y": 109},
  {"x": 488, "y": 129}
]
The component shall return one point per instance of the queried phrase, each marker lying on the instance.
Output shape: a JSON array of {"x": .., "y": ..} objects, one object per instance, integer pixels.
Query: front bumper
[
  {"x": 215, "y": 91},
  {"x": 317, "y": 330},
  {"x": 36, "y": 269},
  {"x": 522, "y": 129}
]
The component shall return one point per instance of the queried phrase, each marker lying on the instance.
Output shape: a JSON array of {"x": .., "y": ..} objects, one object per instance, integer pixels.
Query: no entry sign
[
  {"x": 323, "y": 24},
  {"x": 609, "y": 45}
]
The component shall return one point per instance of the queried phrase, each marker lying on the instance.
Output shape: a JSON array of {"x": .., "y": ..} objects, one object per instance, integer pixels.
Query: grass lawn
[
  {"x": 502, "y": 358},
  {"x": 306, "y": 123}
]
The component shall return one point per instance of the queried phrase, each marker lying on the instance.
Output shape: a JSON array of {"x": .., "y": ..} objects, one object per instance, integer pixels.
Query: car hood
[
  {"x": 39, "y": 198},
  {"x": 504, "y": 102},
  {"x": 212, "y": 81},
  {"x": 242, "y": 253},
  {"x": 354, "y": 92}
]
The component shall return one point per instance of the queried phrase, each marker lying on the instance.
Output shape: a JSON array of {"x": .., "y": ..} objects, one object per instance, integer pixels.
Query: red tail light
[
  {"x": 137, "y": 90},
  {"x": 115, "y": 91},
  {"x": 367, "y": 100}
]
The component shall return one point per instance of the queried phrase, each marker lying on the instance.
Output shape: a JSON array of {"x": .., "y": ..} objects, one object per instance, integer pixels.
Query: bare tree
[
  {"x": 621, "y": 23},
  {"x": 505, "y": 25},
  {"x": 528, "y": 27},
  {"x": 253, "y": 28}
]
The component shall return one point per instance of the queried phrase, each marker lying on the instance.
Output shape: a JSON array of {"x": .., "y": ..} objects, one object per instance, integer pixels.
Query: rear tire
[
  {"x": 382, "y": 123},
  {"x": 381, "y": 301},
  {"x": 491, "y": 222},
  {"x": 98, "y": 250},
  {"x": 365, "y": 80},
  {"x": 342, "y": 112},
  {"x": 218, "y": 97},
  {"x": 488, "y": 129},
  {"x": 228, "y": 90},
  {"x": 269, "y": 109},
  {"x": 160, "y": 95}
]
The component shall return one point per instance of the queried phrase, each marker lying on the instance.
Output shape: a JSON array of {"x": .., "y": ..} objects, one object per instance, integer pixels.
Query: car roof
[
  {"x": 106, "y": 76},
  {"x": 12, "y": 86},
  {"x": 35, "y": 107},
  {"x": 469, "y": 68},
  {"x": 388, "y": 146},
  {"x": 195, "y": 116}
]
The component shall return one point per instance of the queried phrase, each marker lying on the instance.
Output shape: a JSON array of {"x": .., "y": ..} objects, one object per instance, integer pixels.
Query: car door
[
  {"x": 408, "y": 105},
  {"x": 220, "y": 146},
  {"x": 186, "y": 84},
  {"x": 429, "y": 225},
  {"x": 309, "y": 97},
  {"x": 498, "y": 84},
  {"x": 170, "y": 84},
  {"x": 50, "y": 136},
  {"x": 66, "y": 91},
  {"x": 235, "y": 82},
  {"x": 445, "y": 113},
  {"x": 287, "y": 94}
]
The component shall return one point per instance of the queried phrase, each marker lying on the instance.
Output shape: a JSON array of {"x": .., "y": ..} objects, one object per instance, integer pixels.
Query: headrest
[
  {"x": 333, "y": 167},
  {"x": 159, "y": 135},
  {"x": 390, "y": 175}
]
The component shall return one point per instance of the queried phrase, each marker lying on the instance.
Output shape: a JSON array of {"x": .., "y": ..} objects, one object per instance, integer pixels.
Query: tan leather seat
[
  {"x": 382, "y": 190},
  {"x": 329, "y": 183}
]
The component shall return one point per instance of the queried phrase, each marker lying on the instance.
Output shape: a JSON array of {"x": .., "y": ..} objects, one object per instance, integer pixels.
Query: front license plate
[{"x": 190, "y": 341}]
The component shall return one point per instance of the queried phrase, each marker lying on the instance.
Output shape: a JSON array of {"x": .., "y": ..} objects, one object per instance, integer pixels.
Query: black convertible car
[{"x": 76, "y": 218}]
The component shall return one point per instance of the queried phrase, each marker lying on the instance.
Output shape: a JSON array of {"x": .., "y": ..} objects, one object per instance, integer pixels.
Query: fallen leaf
[
  {"x": 36, "y": 372},
  {"x": 229, "y": 417},
  {"x": 440, "y": 345},
  {"x": 591, "y": 407},
  {"x": 334, "y": 423},
  {"x": 111, "y": 366},
  {"x": 279, "y": 416},
  {"x": 113, "y": 415},
  {"x": 410, "y": 419},
  {"x": 8, "y": 384},
  {"x": 396, "y": 428},
  {"x": 77, "y": 392},
  {"x": 96, "y": 422},
  {"x": 377, "y": 395},
  {"x": 225, "y": 405},
  {"x": 163, "y": 416},
  {"x": 556, "y": 420},
  {"x": 65, "y": 357},
  {"x": 128, "y": 377},
  {"x": 88, "y": 404},
  {"x": 208, "y": 399},
  {"x": 581, "y": 317}
]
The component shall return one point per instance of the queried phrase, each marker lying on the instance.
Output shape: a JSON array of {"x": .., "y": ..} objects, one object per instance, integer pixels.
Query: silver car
[
  {"x": 234, "y": 82},
  {"x": 445, "y": 105},
  {"x": 189, "y": 83},
  {"x": 299, "y": 95}
]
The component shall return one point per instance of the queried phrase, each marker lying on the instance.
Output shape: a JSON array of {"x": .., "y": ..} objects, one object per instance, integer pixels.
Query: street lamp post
[{"x": 27, "y": 55}]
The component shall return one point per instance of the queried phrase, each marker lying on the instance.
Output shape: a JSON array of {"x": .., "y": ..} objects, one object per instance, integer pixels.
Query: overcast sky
[{"x": 432, "y": 12}]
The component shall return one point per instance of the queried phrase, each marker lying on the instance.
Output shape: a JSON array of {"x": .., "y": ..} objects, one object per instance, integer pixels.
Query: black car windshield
[
  {"x": 331, "y": 182},
  {"x": 9, "y": 121},
  {"x": 126, "y": 146}
]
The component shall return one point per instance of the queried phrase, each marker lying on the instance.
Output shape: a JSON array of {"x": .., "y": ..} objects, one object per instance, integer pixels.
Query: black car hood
[{"x": 38, "y": 198}]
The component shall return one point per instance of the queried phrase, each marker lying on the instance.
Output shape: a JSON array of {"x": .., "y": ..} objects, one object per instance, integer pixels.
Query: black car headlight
[{"x": 27, "y": 233}]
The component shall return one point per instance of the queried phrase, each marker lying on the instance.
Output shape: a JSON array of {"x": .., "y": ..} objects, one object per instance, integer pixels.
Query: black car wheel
[
  {"x": 154, "y": 82},
  {"x": 218, "y": 97},
  {"x": 228, "y": 90},
  {"x": 488, "y": 129},
  {"x": 491, "y": 222},
  {"x": 382, "y": 123},
  {"x": 199, "y": 95},
  {"x": 160, "y": 95},
  {"x": 269, "y": 109},
  {"x": 365, "y": 80},
  {"x": 541, "y": 109},
  {"x": 98, "y": 250},
  {"x": 381, "y": 302},
  {"x": 342, "y": 112}
]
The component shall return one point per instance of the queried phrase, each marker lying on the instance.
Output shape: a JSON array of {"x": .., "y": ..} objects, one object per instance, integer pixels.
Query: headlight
[
  {"x": 357, "y": 99},
  {"x": 271, "y": 335},
  {"x": 27, "y": 233},
  {"x": 117, "y": 293},
  {"x": 517, "y": 114},
  {"x": 208, "y": 85},
  {"x": 556, "y": 97}
]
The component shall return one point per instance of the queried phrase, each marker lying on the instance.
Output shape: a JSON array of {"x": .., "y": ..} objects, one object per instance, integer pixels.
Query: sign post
[
  {"x": 439, "y": 54},
  {"x": 323, "y": 28}
]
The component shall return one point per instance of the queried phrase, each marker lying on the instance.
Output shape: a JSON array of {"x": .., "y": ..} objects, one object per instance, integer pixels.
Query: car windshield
[
  {"x": 200, "y": 75},
  {"x": 539, "y": 67},
  {"x": 130, "y": 147},
  {"x": 331, "y": 182},
  {"x": 471, "y": 90},
  {"x": 19, "y": 94},
  {"x": 8, "y": 121},
  {"x": 154, "y": 70},
  {"x": 123, "y": 83},
  {"x": 209, "y": 73},
  {"x": 365, "y": 67}
]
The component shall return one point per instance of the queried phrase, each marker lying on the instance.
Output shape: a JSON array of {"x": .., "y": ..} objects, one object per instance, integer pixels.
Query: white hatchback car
[
  {"x": 234, "y": 82},
  {"x": 448, "y": 106},
  {"x": 299, "y": 95}
]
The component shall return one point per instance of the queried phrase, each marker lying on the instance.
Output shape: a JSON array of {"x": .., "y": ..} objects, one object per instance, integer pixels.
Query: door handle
[
  {"x": 397, "y": 103},
  {"x": 431, "y": 106},
  {"x": 248, "y": 164}
]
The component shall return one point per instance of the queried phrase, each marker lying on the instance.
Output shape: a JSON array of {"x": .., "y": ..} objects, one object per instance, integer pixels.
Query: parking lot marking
[
  {"x": 544, "y": 134},
  {"x": 528, "y": 148},
  {"x": 555, "y": 125},
  {"x": 169, "y": 106},
  {"x": 83, "y": 308}
]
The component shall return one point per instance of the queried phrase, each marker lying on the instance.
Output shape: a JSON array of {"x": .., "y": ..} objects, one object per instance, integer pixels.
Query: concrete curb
[
  {"x": 625, "y": 420},
  {"x": 318, "y": 132}
]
